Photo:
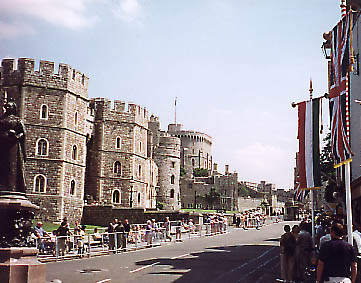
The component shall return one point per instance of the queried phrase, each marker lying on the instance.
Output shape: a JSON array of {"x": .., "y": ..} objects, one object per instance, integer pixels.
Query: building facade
[{"x": 83, "y": 151}]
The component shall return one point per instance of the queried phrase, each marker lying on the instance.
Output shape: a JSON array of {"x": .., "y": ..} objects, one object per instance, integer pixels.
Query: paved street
[{"x": 238, "y": 256}]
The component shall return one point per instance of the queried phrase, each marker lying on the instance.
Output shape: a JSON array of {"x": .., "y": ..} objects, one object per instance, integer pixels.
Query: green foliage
[
  {"x": 212, "y": 197},
  {"x": 326, "y": 160},
  {"x": 182, "y": 171},
  {"x": 160, "y": 205},
  {"x": 200, "y": 172},
  {"x": 243, "y": 191}
]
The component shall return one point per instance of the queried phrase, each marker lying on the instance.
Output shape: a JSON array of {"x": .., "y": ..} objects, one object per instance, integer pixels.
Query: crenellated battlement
[
  {"x": 120, "y": 110},
  {"x": 67, "y": 78}
]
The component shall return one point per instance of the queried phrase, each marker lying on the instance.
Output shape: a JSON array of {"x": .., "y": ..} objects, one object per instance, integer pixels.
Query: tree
[
  {"x": 200, "y": 172},
  {"x": 326, "y": 160},
  {"x": 212, "y": 197}
]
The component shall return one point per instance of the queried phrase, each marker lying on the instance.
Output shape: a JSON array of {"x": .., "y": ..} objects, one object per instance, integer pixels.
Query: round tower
[{"x": 167, "y": 158}]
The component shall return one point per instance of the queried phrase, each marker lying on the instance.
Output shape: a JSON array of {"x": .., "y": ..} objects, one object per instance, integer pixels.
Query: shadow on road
[{"x": 247, "y": 263}]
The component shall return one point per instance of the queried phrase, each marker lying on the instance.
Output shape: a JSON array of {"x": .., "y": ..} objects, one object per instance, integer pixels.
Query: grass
[
  {"x": 205, "y": 211},
  {"x": 49, "y": 227}
]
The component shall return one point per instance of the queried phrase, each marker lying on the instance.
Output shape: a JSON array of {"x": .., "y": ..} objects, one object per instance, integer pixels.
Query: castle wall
[{"x": 63, "y": 94}]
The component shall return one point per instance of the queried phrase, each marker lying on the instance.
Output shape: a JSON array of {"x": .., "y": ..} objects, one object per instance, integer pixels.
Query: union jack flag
[{"x": 340, "y": 64}]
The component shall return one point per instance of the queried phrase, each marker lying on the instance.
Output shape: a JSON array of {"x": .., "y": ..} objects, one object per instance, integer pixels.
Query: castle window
[
  {"x": 138, "y": 198},
  {"x": 82, "y": 79},
  {"x": 73, "y": 74},
  {"x": 72, "y": 187},
  {"x": 171, "y": 193},
  {"x": 193, "y": 162},
  {"x": 42, "y": 147},
  {"x": 39, "y": 184},
  {"x": 140, "y": 170},
  {"x": 190, "y": 185},
  {"x": 44, "y": 112},
  {"x": 140, "y": 146},
  {"x": 172, "y": 179},
  {"x": 117, "y": 168},
  {"x": 118, "y": 143},
  {"x": 74, "y": 153},
  {"x": 116, "y": 197},
  {"x": 76, "y": 118},
  {"x": 173, "y": 164}
]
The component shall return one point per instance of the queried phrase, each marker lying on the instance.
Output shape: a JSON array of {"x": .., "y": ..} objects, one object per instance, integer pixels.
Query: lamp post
[
  {"x": 131, "y": 196},
  {"x": 326, "y": 47}
]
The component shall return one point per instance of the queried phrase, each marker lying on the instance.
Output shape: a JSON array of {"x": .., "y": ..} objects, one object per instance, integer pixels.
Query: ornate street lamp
[{"x": 326, "y": 48}]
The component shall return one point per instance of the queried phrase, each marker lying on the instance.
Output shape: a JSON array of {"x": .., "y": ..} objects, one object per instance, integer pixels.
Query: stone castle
[{"x": 83, "y": 150}]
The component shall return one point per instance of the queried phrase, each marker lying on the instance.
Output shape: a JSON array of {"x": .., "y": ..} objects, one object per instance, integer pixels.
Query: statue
[{"x": 12, "y": 150}]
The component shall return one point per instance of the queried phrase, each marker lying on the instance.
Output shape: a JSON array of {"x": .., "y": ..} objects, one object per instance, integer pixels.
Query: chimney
[
  {"x": 215, "y": 167},
  {"x": 226, "y": 169}
]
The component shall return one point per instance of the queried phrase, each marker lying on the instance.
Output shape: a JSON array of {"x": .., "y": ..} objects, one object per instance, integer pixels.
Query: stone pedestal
[{"x": 20, "y": 265}]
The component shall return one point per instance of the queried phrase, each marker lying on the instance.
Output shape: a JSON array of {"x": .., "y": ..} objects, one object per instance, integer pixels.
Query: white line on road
[
  {"x": 105, "y": 280},
  {"x": 144, "y": 267},
  {"x": 179, "y": 256}
]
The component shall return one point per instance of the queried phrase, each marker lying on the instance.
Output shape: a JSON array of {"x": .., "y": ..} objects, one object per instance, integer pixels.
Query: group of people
[
  {"x": 215, "y": 223},
  {"x": 249, "y": 219},
  {"x": 331, "y": 257}
]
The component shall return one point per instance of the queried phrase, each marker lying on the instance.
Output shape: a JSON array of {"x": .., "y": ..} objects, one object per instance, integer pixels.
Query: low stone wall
[{"x": 102, "y": 215}]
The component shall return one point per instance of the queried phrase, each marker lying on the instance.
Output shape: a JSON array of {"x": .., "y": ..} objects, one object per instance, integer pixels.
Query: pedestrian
[
  {"x": 287, "y": 254},
  {"x": 337, "y": 259},
  {"x": 148, "y": 233},
  {"x": 40, "y": 234},
  {"x": 167, "y": 227},
  {"x": 119, "y": 231},
  {"x": 304, "y": 248},
  {"x": 154, "y": 230},
  {"x": 111, "y": 233},
  {"x": 62, "y": 234},
  {"x": 126, "y": 233}
]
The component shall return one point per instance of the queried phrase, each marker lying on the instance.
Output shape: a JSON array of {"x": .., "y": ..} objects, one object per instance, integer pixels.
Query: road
[{"x": 238, "y": 256}]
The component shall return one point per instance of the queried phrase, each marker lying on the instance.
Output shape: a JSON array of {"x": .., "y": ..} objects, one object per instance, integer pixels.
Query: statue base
[
  {"x": 17, "y": 213},
  {"x": 20, "y": 265}
]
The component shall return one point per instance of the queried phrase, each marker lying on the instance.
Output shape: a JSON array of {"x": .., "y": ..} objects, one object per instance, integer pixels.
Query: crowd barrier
[{"x": 77, "y": 246}]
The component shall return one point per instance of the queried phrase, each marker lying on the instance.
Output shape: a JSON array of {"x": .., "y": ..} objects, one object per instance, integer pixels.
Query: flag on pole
[
  {"x": 339, "y": 106},
  {"x": 309, "y": 144},
  {"x": 299, "y": 194}
]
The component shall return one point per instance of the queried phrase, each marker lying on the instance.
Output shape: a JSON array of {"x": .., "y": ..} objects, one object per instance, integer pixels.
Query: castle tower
[
  {"x": 196, "y": 148},
  {"x": 54, "y": 109},
  {"x": 120, "y": 171},
  {"x": 167, "y": 157}
]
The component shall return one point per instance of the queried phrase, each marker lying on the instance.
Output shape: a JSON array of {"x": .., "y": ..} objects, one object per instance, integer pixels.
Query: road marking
[
  {"x": 253, "y": 271},
  {"x": 105, "y": 280},
  {"x": 244, "y": 264},
  {"x": 144, "y": 267},
  {"x": 179, "y": 256}
]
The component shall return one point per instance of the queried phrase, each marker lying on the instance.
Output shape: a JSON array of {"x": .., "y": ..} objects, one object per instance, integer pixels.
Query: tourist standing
[
  {"x": 337, "y": 259},
  {"x": 126, "y": 233},
  {"x": 167, "y": 227},
  {"x": 304, "y": 248},
  {"x": 287, "y": 254}
]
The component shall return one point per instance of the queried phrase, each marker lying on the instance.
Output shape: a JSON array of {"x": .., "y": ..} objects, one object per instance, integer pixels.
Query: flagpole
[
  {"x": 312, "y": 196},
  {"x": 313, "y": 217},
  {"x": 348, "y": 202}
]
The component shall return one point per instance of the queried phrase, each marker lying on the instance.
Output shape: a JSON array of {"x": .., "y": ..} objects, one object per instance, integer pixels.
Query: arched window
[
  {"x": 138, "y": 198},
  {"x": 193, "y": 162},
  {"x": 42, "y": 147},
  {"x": 44, "y": 112},
  {"x": 39, "y": 184},
  {"x": 140, "y": 146},
  {"x": 171, "y": 193},
  {"x": 116, "y": 196},
  {"x": 76, "y": 118},
  {"x": 117, "y": 168},
  {"x": 74, "y": 153},
  {"x": 172, "y": 179},
  {"x": 72, "y": 187},
  {"x": 118, "y": 143}
]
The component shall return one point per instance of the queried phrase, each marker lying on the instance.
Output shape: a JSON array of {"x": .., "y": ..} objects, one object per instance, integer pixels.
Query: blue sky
[{"x": 235, "y": 65}]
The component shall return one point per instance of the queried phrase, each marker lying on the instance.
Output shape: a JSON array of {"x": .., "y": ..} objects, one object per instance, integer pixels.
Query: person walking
[
  {"x": 287, "y": 254},
  {"x": 126, "y": 234},
  {"x": 337, "y": 259},
  {"x": 304, "y": 248},
  {"x": 167, "y": 229}
]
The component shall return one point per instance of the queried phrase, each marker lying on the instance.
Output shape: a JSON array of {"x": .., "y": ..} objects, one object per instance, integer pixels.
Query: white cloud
[
  {"x": 128, "y": 10},
  {"x": 14, "y": 29},
  {"x": 70, "y": 14}
]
